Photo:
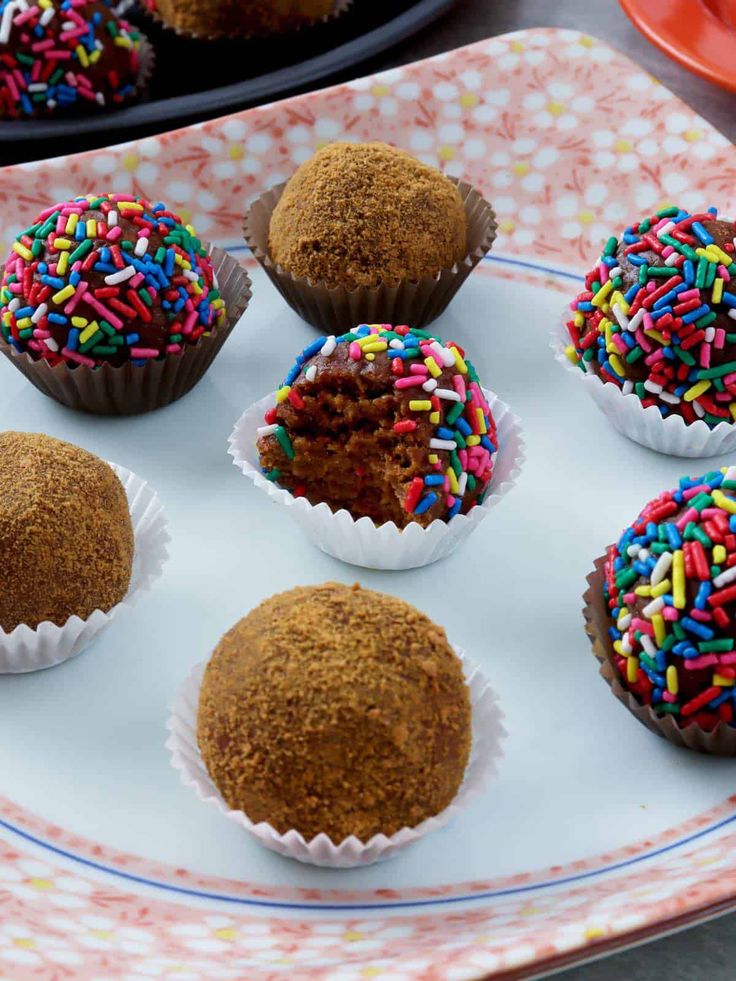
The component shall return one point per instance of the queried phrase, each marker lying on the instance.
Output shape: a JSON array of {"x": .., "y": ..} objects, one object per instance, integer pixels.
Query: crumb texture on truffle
[
  {"x": 364, "y": 215},
  {"x": 66, "y": 538},
  {"x": 237, "y": 17},
  {"x": 338, "y": 710}
]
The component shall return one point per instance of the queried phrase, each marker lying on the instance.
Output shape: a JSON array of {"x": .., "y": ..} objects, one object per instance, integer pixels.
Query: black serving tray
[{"x": 196, "y": 80}]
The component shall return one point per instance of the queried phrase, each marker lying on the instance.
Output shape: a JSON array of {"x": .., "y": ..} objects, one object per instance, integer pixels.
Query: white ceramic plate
[{"x": 596, "y": 833}]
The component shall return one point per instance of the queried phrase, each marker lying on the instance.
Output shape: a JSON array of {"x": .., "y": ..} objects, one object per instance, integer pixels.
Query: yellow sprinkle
[
  {"x": 697, "y": 390},
  {"x": 660, "y": 631},
  {"x": 472, "y": 440},
  {"x": 572, "y": 354},
  {"x": 24, "y": 322},
  {"x": 732, "y": 410},
  {"x": 717, "y": 290},
  {"x": 71, "y": 223},
  {"x": 82, "y": 55},
  {"x": 643, "y": 590},
  {"x": 578, "y": 319},
  {"x": 678, "y": 578},
  {"x": 454, "y": 486},
  {"x": 723, "y": 257},
  {"x": 95, "y": 56},
  {"x": 370, "y": 356},
  {"x": 719, "y": 554},
  {"x": 723, "y": 682},
  {"x": 725, "y": 503},
  {"x": 618, "y": 648},
  {"x": 22, "y": 251},
  {"x": 433, "y": 458},
  {"x": 62, "y": 243},
  {"x": 632, "y": 668},
  {"x": 434, "y": 369},
  {"x": 656, "y": 335},
  {"x": 123, "y": 42},
  {"x": 88, "y": 332},
  {"x": 661, "y": 588},
  {"x": 459, "y": 363},
  {"x": 420, "y": 405},
  {"x": 610, "y": 346},
  {"x": 600, "y": 297},
  {"x": 130, "y": 206},
  {"x": 62, "y": 263},
  {"x": 434, "y": 418},
  {"x": 79, "y": 322},
  {"x": 63, "y": 294},
  {"x": 91, "y": 228},
  {"x": 617, "y": 365},
  {"x": 376, "y": 347},
  {"x": 618, "y": 298},
  {"x": 283, "y": 394},
  {"x": 481, "y": 421}
]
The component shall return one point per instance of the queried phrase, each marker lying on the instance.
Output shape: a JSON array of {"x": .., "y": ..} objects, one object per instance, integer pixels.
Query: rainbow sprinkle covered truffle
[
  {"x": 670, "y": 586},
  {"x": 107, "y": 278},
  {"x": 657, "y": 315},
  {"x": 386, "y": 422},
  {"x": 65, "y": 55}
]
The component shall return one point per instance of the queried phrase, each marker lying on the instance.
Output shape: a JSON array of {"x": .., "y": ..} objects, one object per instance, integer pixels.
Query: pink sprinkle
[
  {"x": 114, "y": 233},
  {"x": 690, "y": 515},
  {"x": 646, "y": 628},
  {"x": 702, "y": 615},
  {"x": 724, "y": 273},
  {"x": 143, "y": 352},
  {"x": 74, "y": 301},
  {"x": 355, "y": 351},
  {"x": 408, "y": 381},
  {"x": 458, "y": 383},
  {"x": 705, "y": 356},
  {"x": 419, "y": 369},
  {"x": 729, "y": 658},
  {"x": 76, "y": 356},
  {"x": 670, "y": 613},
  {"x": 705, "y": 661},
  {"x": 694, "y": 491},
  {"x": 173, "y": 348},
  {"x": 116, "y": 322},
  {"x": 667, "y": 696}
]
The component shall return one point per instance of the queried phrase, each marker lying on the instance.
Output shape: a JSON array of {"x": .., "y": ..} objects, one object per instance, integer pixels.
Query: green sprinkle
[{"x": 284, "y": 442}]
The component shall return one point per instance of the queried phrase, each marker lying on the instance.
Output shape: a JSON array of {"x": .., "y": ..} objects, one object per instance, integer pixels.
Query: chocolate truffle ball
[
  {"x": 670, "y": 586},
  {"x": 336, "y": 710},
  {"x": 656, "y": 315},
  {"x": 235, "y": 18},
  {"x": 107, "y": 278},
  {"x": 66, "y": 56},
  {"x": 388, "y": 423},
  {"x": 364, "y": 215},
  {"x": 66, "y": 539}
]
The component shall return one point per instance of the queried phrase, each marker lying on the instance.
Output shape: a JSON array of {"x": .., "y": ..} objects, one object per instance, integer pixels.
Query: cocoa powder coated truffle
[
  {"x": 336, "y": 710},
  {"x": 363, "y": 215},
  {"x": 66, "y": 539}
]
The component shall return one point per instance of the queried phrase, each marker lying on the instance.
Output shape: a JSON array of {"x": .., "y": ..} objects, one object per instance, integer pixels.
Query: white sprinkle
[
  {"x": 628, "y": 387},
  {"x": 644, "y": 555},
  {"x": 51, "y": 344},
  {"x": 14, "y": 304},
  {"x": 624, "y": 623},
  {"x": 636, "y": 320},
  {"x": 462, "y": 483},
  {"x": 267, "y": 430},
  {"x": 38, "y": 87},
  {"x": 662, "y": 567},
  {"x": 7, "y": 21},
  {"x": 699, "y": 410},
  {"x": 671, "y": 260},
  {"x": 613, "y": 273},
  {"x": 329, "y": 346},
  {"x": 669, "y": 397},
  {"x": 47, "y": 16},
  {"x": 311, "y": 373},
  {"x": 396, "y": 344},
  {"x": 442, "y": 444},
  {"x": 652, "y": 387},
  {"x": 141, "y": 247},
  {"x": 654, "y": 607},
  {"x": 710, "y": 335},
  {"x": 40, "y": 312},
  {"x": 623, "y": 320},
  {"x": 120, "y": 276},
  {"x": 646, "y": 640},
  {"x": 112, "y": 218},
  {"x": 445, "y": 354},
  {"x": 732, "y": 313},
  {"x": 666, "y": 229},
  {"x": 190, "y": 274},
  {"x": 429, "y": 385},
  {"x": 725, "y": 577},
  {"x": 730, "y": 474},
  {"x": 447, "y": 393},
  {"x": 626, "y": 644},
  {"x": 633, "y": 551}
]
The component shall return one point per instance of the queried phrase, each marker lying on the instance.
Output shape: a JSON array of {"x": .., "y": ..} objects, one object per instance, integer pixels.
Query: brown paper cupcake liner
[
  {"x": 333, "y": 310},
  {"x": 133, "y": 389},
  {"x": 146, "y": 67},
  {"x": 339, "y": 8},
  {"x": 721, "y": 741}
]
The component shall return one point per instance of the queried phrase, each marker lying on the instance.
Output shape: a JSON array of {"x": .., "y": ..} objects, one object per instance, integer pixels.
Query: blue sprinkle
[
  {"x": 434, "y": 480},
  {"x": 705, "y": 237},
  {"x": 426, "y": 503}
]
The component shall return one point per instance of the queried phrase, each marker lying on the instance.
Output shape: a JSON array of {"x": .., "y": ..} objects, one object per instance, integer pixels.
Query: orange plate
[{"x": 699, "y": 34}]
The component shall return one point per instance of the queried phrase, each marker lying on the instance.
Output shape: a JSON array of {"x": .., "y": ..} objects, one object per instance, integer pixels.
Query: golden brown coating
[
  {"x": 240, "y": 17},
  {"x": 66, "y": 539},
  {"x": 338, "y": 710},
  {"x": 365, "y": 214}
]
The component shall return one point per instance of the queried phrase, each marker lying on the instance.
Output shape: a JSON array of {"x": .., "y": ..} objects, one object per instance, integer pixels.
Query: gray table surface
[{"x": 704, "y": 953}]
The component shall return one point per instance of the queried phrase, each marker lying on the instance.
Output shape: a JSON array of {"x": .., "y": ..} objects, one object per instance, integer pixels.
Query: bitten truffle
[
  {"x": 235, "y": 18},
  {"x": 336, "y": 710},
  {"x": 670, "y": 586},
  {"x": 388, "y": 423},
  {"x": 364, "y": 215},
  {"x": 656, "y": 315},
  {"x": 108, "y": 278},
  {"x": 66, "y": 539},
  {"x": 65, "y": 56}
]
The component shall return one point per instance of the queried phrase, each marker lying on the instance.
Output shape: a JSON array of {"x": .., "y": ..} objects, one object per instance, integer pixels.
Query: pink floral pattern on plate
[{"x": 526, "y": 117}]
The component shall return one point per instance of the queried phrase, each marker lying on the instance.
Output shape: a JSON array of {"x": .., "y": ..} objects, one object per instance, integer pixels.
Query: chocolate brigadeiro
[
  {"x": 337, "y": 710},
  {"x": 367, "y": 214},
  {"x": 238, "y": 18},
  {"x": 66, "y": 538}
]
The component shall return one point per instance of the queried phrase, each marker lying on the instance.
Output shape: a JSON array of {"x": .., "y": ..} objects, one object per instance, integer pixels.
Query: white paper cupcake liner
[
  {"x": 362, "y": 542},
  {"x": 29, "y": 649},
  {"x": 486, "y": 751},
  {"x": 670, "y": 435}
]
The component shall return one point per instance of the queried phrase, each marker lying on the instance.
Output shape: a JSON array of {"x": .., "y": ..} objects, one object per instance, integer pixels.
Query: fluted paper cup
[
  {"x": 130, "y": 389},
  {"x": 363, "y": 542},
  {"x": 486, "y": 751},
  {"x": 411, "y": 302},
  {"x": 30, "y": 649},
  {"x": 670, "y": 435},
  {"x": 720, "y": 741}
]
